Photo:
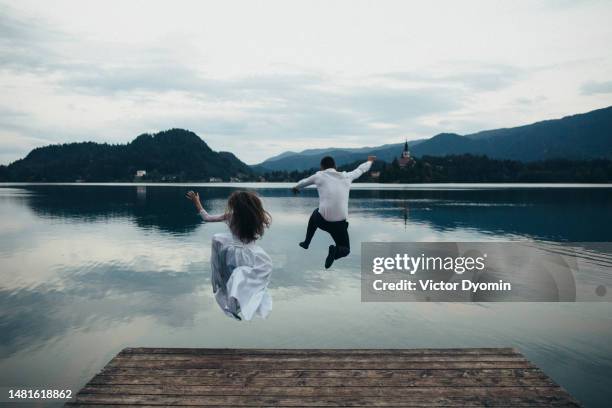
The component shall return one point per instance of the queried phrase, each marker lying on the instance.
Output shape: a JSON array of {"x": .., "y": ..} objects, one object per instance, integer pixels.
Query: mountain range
[
  {"x": 577, "y": 137},
  {"x": 181, "y": 155}
]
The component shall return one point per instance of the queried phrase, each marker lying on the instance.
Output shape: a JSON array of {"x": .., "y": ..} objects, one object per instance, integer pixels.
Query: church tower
[{"x": 405, "y": 158}]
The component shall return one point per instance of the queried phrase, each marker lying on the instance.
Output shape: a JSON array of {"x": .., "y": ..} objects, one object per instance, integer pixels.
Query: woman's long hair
[{"x": 246, "y": 215}]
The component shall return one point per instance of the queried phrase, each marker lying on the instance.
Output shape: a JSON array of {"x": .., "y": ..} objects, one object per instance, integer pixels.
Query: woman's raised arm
[{"x": 195, "y": 198}]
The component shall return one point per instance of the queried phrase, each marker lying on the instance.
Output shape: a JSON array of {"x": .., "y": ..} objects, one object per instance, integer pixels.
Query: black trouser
[{"x": 337, "y": 229}]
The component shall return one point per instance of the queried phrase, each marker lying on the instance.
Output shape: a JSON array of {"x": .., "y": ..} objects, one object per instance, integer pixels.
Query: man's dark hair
[{"x": 328, "y": 163}]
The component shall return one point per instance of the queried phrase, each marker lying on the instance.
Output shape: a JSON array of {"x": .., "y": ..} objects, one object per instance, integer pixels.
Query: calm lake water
[{"x": 87, "y": 270}]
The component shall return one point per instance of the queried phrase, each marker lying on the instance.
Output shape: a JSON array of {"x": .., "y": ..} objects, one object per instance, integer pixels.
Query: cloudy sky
[{"x": 261, "y": 77}]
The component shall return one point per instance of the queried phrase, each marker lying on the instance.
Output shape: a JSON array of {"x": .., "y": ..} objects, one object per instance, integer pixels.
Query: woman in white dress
[{"x": 240, "y": 268}]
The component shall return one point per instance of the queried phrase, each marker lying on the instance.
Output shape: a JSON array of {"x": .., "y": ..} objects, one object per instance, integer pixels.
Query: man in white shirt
[{"x": 333, "y": 188}]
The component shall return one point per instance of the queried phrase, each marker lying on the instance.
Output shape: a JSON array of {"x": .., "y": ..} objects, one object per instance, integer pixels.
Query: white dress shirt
[{"x": 333, "y": 187}]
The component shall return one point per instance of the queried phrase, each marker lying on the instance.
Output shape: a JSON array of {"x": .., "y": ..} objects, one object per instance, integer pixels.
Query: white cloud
[
  {"x": 594, "y": 87},
  {"x": 261, "y": 78}
]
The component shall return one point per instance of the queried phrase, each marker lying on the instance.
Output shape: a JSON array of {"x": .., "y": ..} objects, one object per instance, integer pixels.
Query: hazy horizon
[
  {"x": 261, "y": 79},
  {"x": 295, "y": 151}
]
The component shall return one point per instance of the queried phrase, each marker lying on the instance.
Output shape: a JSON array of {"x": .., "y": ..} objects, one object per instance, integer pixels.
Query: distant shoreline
[{"x": 355, "y": 186}]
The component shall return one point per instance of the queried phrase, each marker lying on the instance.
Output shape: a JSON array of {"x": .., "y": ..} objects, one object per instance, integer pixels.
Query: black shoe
[
  {"x": 303, "y": 245},
  {"x": 331, "y": 255}
]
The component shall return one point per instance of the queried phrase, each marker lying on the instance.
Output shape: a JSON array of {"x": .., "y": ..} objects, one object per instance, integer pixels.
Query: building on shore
[
  {"x": 405, "y": 159},
  {"x": 140, "y": 174}
]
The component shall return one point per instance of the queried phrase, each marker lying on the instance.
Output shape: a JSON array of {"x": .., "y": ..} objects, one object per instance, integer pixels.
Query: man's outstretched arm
[
  {"x": 304, "y": 183},
  {"x": 363, "y": 168}
]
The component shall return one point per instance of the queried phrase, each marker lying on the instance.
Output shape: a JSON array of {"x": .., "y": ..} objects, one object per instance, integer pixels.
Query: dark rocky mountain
[
  {"x": 171, "y": 155},
  {"x": 577, "y": 137}
]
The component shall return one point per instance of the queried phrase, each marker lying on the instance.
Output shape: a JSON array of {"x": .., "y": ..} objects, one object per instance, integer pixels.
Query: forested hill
[
  {"x": 468, "y": 168},
  {"x": 172, "y": 155}
]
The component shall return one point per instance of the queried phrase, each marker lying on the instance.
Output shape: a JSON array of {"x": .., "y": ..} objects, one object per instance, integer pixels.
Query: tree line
[{"x": 469, "y": 168}]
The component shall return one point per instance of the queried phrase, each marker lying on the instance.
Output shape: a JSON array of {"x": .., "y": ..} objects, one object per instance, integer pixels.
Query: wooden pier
[{"x": 322, "y": 378}]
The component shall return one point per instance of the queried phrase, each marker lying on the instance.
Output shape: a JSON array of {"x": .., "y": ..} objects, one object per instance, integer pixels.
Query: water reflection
[
  {"x": 88, "y": 270},
  {"x": 573, "y": 214}
]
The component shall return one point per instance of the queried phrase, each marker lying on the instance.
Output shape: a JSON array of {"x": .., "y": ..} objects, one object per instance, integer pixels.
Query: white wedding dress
[{"x": 240, "y": 275}]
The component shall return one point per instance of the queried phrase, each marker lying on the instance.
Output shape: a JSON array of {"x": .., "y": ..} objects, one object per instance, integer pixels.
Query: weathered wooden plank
[
  {"x": 309, "y": 365},
  {"x": 322, "y": 382},
  {"x": 435, "y": 398},
  {"x": 422, "y": 405},
  {"x": 303, "y": 376},
  {"x": 532, "y": 404},
  {"x": 332, "y": 373},
  {"x": 309, "y": 352},
  {"x": 321, "y": 378},
  {"x": 324, "y": 391},
  {"x": 371, "y": 359}
]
